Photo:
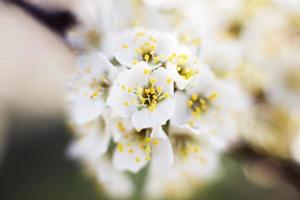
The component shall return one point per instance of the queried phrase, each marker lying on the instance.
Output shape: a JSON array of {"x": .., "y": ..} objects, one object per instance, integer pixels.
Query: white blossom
[
  {"x": 143, "y": 95},
  {"x": 89, "y": 90}
]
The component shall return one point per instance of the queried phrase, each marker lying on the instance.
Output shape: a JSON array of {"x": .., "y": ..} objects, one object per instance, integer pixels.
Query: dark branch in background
[
  {"x": 58, "y": 21},
  {"x": 287, "y": 169}
]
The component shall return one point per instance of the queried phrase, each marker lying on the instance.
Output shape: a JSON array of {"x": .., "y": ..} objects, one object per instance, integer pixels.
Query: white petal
[
  {"x": 83, "y": 109},
  {"x": 117, "y": 100},
  {"x": 146, "y": 118},
  {"x": 111, "y": 179},
  {"x": 162, "y": 75},
  {"x": 129, "y": 155},
  {"x": 181, "y": 113},
  {"x": 94, "y": 64},
  {"x": 162, "y": 153}
]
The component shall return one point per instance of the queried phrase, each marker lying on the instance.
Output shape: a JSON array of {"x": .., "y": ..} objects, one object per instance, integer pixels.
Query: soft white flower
[
  {"x": 115, "y": 183},
  {"x": 283, "y": 88},
  {"x": 195, "y": 161},
  {"x": 93, "y": 139},
  {"x": 143, "y": 95},
  {"x": 183, "y": 67},
  {"x": 135, "y": 148},
  {"x": 132, "y": 47},
  {"x": 207, "y": 107},
  {"x": 271, "y": 39},
  {"x": 88, "y": 91},
  {"x": 95, "y": 22}
]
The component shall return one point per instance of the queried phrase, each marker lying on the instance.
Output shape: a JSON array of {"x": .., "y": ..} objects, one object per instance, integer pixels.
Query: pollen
[
  {"x": 166, "y": 95},
  {"x": 125, "y": 46},
  {"x": 194, "y": 97},
  {"x": 213, "y": 96},
  {"x": 146, "y": 71},
  {"x": 147, "y": 158},
  {"x": 120, "y": 147},
  {"x": 152, "y": 81},
  {"x": 199, "y": 104},
  {"x": 148, "y": 140},
  {"x": 155, "y": 142},
  {"x": 169, "y": 80},
  {"x": 135, "y": 62},
  {"x": 129, "y": 89},
  {"x": 137, "y": 159},
  {"x": 121, "y": 127},
  {"x": 148, "y": 150},
  {"x": 147, "y": 57},
  {"x": 130, "y": 151}
]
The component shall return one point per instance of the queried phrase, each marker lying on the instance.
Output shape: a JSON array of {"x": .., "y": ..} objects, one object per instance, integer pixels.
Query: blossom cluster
[{"x": 169, "y": 85}]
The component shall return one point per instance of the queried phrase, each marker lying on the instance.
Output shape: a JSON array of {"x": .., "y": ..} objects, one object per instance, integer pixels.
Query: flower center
[
  {"x": 185, "y": 72},
  {"x": 151, "y": 95},
  {"x": 181, "y": 62},
  {"x": 185, "y": 144},
  {"x": 199, "y": 104},
  {"x": 148, "y": 96},
  {"x": 234, "y": 30},
  {"x": 100, "y": 87},
  {"x": 147, "y": 50},
  {"x": 93, "y": 37},
  {"x": 292, "y": 80}
]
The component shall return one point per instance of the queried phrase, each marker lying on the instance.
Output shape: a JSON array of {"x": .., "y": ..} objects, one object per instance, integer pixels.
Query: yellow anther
[
  {"x": 123, "y": 87},
  {"x": 152, "y": 81},
  {"x": 156, "y": 59},
  {"x": 204, "y": 107},
  {"x": 187, "y": 70},
  {"x": 202, "y": 102},
  {"x": 129, "y": 89},
  {"x": 166, "y": 95},
  {"x": 159, "y": 89},
  {"x": 94, "y": 94},
  {"x": 135, "y": 62},
  {"x": 155, "y": 142},
  {"x": 147, "y": 158},
  {"x": 178, "y": 69},
  {"x": 146, "y": 57},
  {"x": 148, "y": 150},
  {"x": 146, "y": 71},
  {"x": 137, "y": 159},
  {"x": 190, "y": 103},
  {"x": 148, "y": 140},
  {"x": 194, "y": 97},
  {"x": 154, "y": 97},
  {"x": 147, "y": 90},
  {"x": 152, "y": 107},
  {"x": 120, "y": 147},
  {"x": 213, "y": 96},
  {"x": 130, "y": 151},
  {"x": 125, "y": 46},
  {"x": 126, "y": 103},
  {"x": 169, "y": 80},
  {"x": 121, "y": 127},
  {"x": 152, "y": 90},
  {"x": 140, "y": 90},
  {"x": 198, "y": 110}
]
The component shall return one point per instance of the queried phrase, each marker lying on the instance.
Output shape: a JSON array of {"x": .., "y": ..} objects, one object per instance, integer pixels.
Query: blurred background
[{"x": 35, "y": 61}]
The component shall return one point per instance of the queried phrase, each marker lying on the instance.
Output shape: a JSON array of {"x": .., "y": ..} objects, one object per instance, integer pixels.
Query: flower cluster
[
  {"x": 152, "y": 103},
  {"x": 159, "y": 82}
]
